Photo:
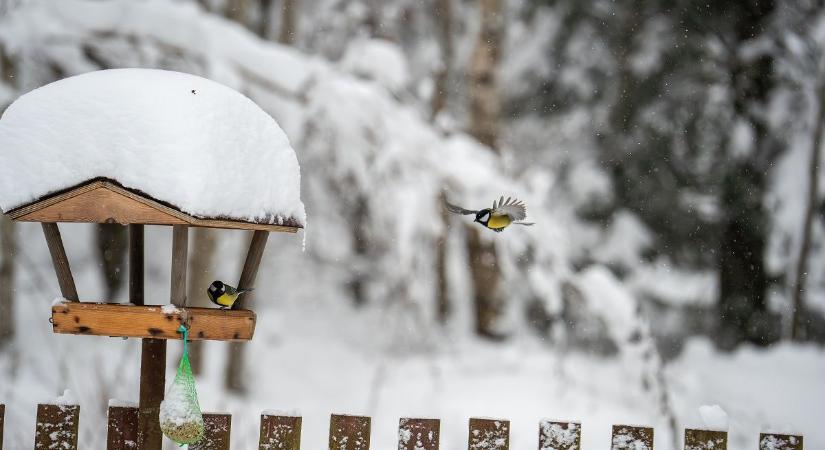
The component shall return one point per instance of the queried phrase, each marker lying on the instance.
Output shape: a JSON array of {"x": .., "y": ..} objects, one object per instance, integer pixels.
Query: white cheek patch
[{"x": 486, "y": 216}]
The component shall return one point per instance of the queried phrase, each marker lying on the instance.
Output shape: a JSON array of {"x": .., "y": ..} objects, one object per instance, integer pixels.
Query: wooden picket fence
[{"x": 57, "y": 428}]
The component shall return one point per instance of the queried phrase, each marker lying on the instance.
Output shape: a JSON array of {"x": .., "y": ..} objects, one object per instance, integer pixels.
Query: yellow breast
[
  {"x": 498, "y": 222},
  {"x": 226, "y": 299}
]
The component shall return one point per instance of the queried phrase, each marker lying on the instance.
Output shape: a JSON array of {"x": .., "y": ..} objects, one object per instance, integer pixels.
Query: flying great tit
[
  {"x": 499, "y": 217},
  {"x": 223, "y": 294}
]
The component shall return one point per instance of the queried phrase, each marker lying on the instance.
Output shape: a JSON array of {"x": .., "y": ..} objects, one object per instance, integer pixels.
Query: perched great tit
[
  {"x": 499, "y": 217},
  {"x": 223, "y": 294}
]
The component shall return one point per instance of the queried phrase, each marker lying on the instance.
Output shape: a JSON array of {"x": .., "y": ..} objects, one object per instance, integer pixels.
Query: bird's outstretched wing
[
  {"x": 457, "y": 209},
  {"x": 510, "y": 207}
]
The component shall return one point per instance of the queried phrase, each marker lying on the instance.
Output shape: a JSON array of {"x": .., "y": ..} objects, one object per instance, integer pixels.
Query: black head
[
  {"x": 483, "y": 216},
  {"x": 217, "y": 288}
]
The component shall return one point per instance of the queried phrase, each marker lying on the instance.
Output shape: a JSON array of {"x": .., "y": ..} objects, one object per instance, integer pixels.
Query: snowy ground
[{"x": 314, "y": 355}]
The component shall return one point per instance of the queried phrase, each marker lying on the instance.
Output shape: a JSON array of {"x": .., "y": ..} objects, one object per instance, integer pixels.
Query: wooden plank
[
  {"x": 56, "y": 427},
  {"x": 559, "y": 435},
  {"x": 349, "y": 432},
  {"x": 60, "y": 261},
  {"x": 216, "y": 430},
  {"x": 2, "y": 418},
  {"x": 152, "y": 382},
  {"x": 280, "y": 433},
  {"x": 119, "y": 320},
  {"x": 105, "y": 201},
  {"x": 489, "y": 434},
  {"x": 705, "y": 440},
  {"x": 631, "y": 438},
  {"x": 419, "y": 434},
  {"x": 136, "y": 258},
  {"x": 773, "y": 441},
  {"x": 122, "y": 431},
  {"x": 180, "y": 250}
]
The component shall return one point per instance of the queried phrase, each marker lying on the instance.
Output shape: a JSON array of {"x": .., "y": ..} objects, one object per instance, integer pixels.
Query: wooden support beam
[
  {"x": 152, "y": 382},
  {"x": 122, "y": 431},
  {"x": 216, "y": 429},
  {"x": 560, "y": 435},
  {"x": 156, "y": 322},
  {"x": 280, "y": 432},
  {"x": 705, "y": 440},
  {"x": 180, "y": 247},
  {"x": 56, "y": 427},
  {"x": 250, "y": 266},
  {"x": 418, "y": 434},
  {"x": 626, "y": 436},
  {"x": 136, "y": 264},
  {"x": 489, "y": 434},
  {"x": 773, "y": 441},
  {"x": 60, "y": 261},
  {"x": 349, "y": 432}
]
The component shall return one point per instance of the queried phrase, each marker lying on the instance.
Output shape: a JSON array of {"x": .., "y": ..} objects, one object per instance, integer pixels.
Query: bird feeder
[{"x": 128, "y": 147}]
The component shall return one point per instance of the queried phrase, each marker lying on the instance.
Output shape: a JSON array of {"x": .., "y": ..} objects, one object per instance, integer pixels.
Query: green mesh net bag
[{"x": 180, "y": 414}]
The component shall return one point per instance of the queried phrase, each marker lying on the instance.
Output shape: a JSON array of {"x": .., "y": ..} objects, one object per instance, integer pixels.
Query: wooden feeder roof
[
  {"x": 141, "y": 146},
  {"x": 106, "y": 201}
]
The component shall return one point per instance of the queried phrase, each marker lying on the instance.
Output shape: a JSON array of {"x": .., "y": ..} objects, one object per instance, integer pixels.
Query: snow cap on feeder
[{"x": 147, "y": 146}]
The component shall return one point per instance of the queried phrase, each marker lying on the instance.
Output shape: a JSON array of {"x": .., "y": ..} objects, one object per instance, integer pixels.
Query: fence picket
[
  {"x": 56, "y": 427},
  {"x": 216, "y": 429},
  {"x": 559, "y": 435},
  {"x": 349, "y": 432},
  {"x": 630, "y": 437},
  {"x": 280, "y": 433},
  {"x": 122, "y": 428},
  {"x": 705, "y": 440},
  {"x": 418, "y": 434},
  {"x": 772, "y": 441},
  {"x": 489, "y": 434}
]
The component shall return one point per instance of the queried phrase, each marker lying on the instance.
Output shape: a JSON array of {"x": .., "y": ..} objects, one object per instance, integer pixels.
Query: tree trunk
[
  {"x": 442, "y": 296},
  {"x": 236, "y": 10},
  {"x": 286, "y": 33},
  {"x": 444, "y": 19},
  {"x": 797, "y": 326},
  {"x": 7, "y": 249},
  {"x": 485, "y": 101},
  {"x": 489, "y": 304},
  {"x": 204, "y": 244},
  {"x": 485, "y": 108},
  {"x": 112, "y": 242}
]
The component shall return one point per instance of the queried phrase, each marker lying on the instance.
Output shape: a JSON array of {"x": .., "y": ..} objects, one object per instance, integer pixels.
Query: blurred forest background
[{"x": 669, "y": 151}]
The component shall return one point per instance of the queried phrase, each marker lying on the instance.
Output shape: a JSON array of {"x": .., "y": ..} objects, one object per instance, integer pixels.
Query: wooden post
[
  {"x": 122, "y": 428},
  {"x": 629, "y": 437},
  {"x": 418, "y": 434},
  {"x": 136, "y": 264},
  {"x": 280, "y": 432},
  {"x": 705, "y": 440},
  {"x": 560, "y": 435},
  {"x": 180, "y": 246},
  {"x": 2, "y": 416},
  {"x": 253, "y": 261},
  {"x": 489, "y": 434},
  {"x": 152, "y": 354},
  {"x": 60, "y": 261},
  {"x": 771, "y": 441},
  {"x": 349, "y": 432},
  {"x": 56, "y": 427},
  {"x": 216, "y": 429}
]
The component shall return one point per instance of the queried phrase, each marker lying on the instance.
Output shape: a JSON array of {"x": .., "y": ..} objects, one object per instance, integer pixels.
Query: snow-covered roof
[{"x": 183, "y": 140}]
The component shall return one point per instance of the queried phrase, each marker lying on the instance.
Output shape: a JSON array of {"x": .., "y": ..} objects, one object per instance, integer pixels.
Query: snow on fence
[{"x": 57, "y": 426}]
